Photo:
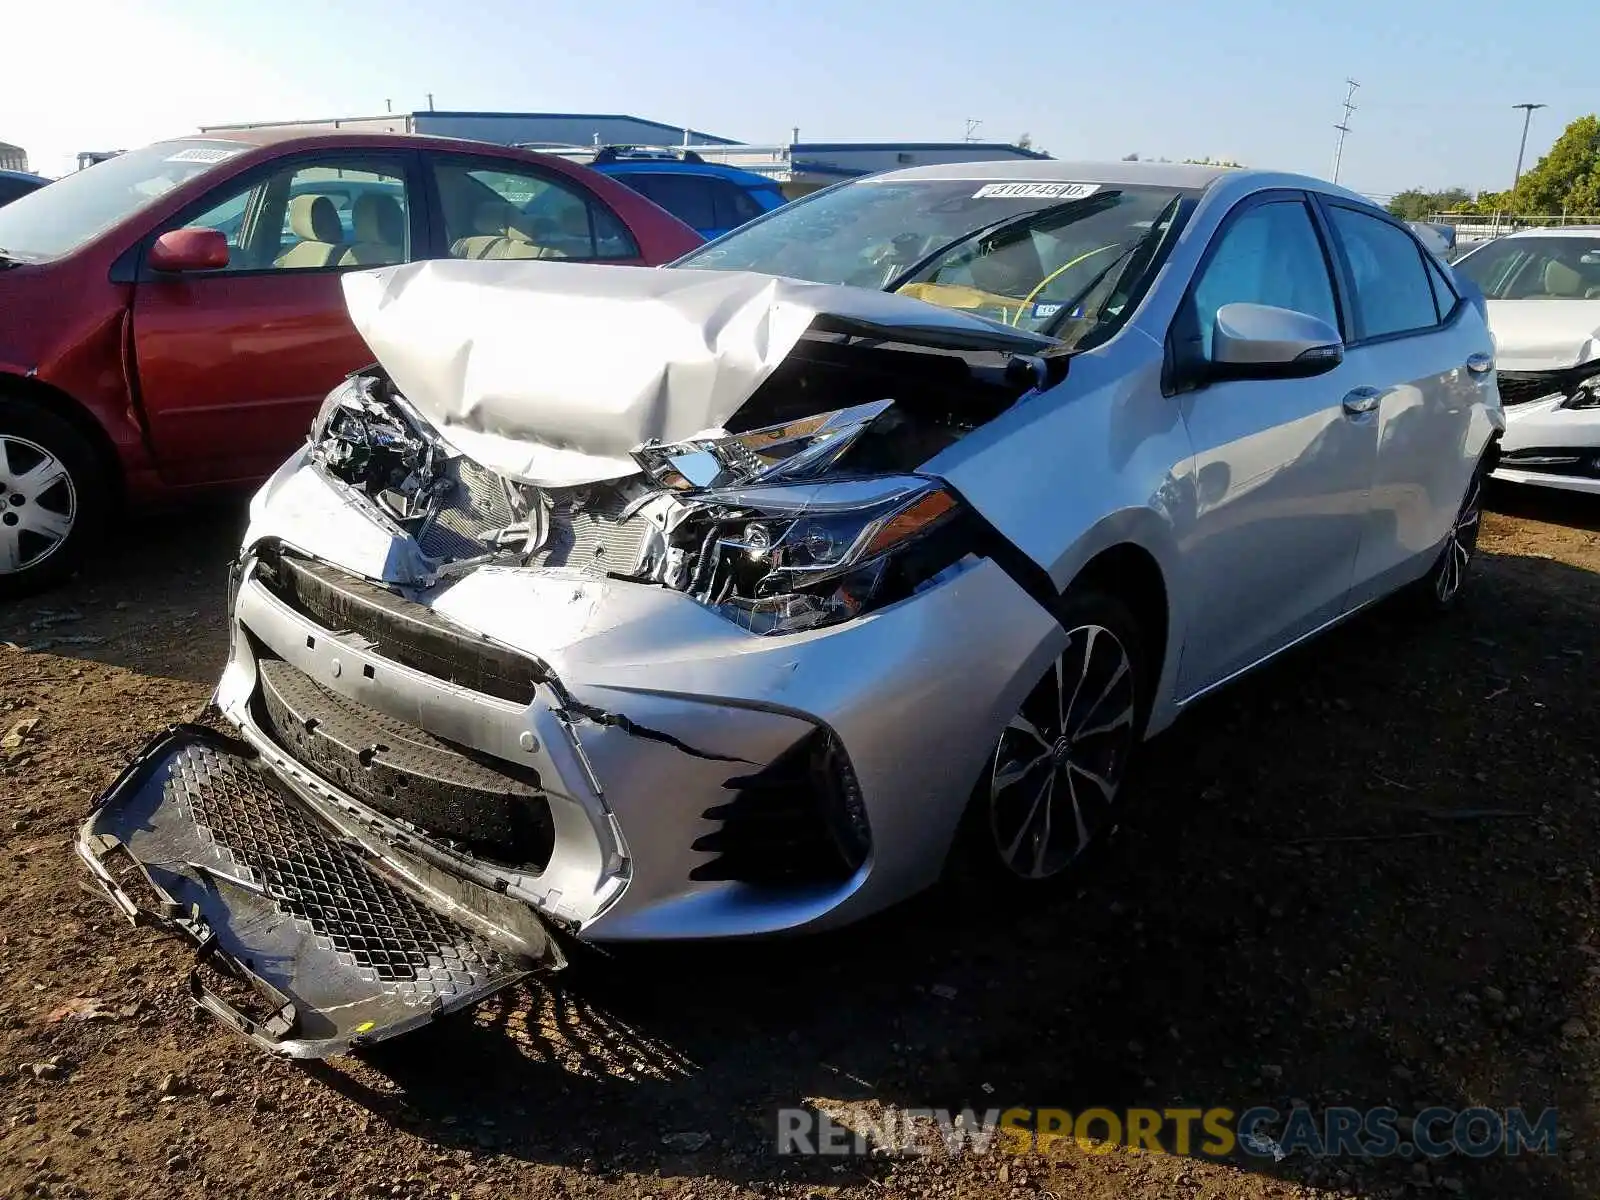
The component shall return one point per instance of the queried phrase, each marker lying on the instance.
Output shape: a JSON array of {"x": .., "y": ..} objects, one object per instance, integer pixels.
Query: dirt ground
[{"x": 1364, "y": 877}]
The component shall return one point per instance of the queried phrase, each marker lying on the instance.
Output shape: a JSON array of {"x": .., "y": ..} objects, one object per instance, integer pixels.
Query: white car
[{"x": 1543, "y": 289}]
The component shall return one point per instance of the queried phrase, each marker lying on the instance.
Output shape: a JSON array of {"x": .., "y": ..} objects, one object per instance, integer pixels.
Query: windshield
[
  {"x": 1526, "y": 268},
  {"x": 62, "y": 217},
  {"x": 1065, "y": 257}
]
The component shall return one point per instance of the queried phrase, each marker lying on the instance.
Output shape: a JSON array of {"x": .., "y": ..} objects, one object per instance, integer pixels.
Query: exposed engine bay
[{"x": 803, "y": 511}]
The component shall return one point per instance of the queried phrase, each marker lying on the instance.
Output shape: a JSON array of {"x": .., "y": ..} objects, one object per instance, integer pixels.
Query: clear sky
[{"x": 1260, "y": 81}]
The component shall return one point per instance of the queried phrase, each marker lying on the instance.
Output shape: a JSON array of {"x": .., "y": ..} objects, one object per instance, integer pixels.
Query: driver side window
[{"x": 1270, "y": 254}]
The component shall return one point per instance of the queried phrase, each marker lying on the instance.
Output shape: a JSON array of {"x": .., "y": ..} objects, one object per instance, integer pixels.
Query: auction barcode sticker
[
  {"x": 203, "y": 154},
  {"x": 1036, "y": 191}
]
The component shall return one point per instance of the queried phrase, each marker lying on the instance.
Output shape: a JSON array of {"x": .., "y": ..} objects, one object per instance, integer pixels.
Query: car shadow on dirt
[
  {"x": 1363, "y": 878},
  {"x": 152, "y": 600}
]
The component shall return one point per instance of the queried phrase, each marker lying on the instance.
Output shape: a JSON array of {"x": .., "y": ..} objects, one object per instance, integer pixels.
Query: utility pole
[
  {"x": 1527, "y": 116},
  {"x": 972, "y": 129},
  {"x": 1343, "y": 127}
]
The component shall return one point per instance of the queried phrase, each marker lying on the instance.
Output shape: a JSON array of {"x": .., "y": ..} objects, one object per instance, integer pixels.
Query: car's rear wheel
[
  {"x": 1440, "y": 589},
  {"x": 1051, "y": 783},
  {"x": 52, "y": 497}
]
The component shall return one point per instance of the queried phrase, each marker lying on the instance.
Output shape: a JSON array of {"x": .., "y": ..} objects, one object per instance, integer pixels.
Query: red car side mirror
[{"x": 189, "y": 250}]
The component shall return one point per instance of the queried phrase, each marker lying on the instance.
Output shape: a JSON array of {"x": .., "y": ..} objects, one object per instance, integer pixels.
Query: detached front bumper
[{"x": 307, "y": 944}]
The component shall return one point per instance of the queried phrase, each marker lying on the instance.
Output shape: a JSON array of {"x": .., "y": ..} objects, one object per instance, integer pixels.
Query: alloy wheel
[
  {"x": 1061, "y": 759},
  {"x": 1461, "y": 544},
  {"x": 38, "y": 504}
]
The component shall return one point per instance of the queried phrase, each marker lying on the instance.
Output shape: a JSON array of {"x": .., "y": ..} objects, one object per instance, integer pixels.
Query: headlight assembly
[{"x": 786, "y": 558}]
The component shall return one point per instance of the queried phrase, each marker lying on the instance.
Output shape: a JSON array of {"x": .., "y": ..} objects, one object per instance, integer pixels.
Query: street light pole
[{"x": 1527, "y": 116}]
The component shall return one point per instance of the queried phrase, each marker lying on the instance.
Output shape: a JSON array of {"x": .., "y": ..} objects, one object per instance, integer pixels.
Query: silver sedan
[{"x": 750, "y": 595}]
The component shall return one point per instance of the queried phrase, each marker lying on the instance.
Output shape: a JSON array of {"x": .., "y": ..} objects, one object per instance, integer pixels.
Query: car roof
[
  {"x": 23, "y": 176},
  {"x": 1192, "y": 176},
  {"x": 1583, "y": 231},
  {"x": 667, "y": 166},
  {"x": 310, "y": 137}
]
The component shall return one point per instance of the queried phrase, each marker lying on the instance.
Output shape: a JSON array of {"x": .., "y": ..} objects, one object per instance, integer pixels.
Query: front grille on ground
[
  {"x": 797, "y": 820},
  {"x": 315, "y": 879},
  {"x": 405, "y": 632},
  {"x": 489, "y": 808}
]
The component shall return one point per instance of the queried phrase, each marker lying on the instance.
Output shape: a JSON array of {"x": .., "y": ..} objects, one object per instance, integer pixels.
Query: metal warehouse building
[
  {"x": 13, "y": 158},
  {"x": 799, "y": 167}
]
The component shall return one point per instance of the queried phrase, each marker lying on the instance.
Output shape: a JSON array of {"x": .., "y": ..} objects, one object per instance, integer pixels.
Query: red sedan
[{"x": 171, "y": 318}]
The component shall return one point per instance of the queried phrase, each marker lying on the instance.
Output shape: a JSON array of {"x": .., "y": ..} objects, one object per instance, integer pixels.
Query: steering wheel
[{"x": 1048, "y": 279}]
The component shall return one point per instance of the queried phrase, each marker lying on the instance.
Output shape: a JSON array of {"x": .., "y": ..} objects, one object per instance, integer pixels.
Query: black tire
[
  {"x": 996, "y": 848},
  {"x": 45, "y": 528},
  {"x": 1440, "y": 589}
]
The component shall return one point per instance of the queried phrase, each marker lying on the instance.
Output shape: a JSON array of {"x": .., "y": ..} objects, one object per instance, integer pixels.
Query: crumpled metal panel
[
  {"x": 337, "y": 949},
  {"x": 552, "y": 373}
]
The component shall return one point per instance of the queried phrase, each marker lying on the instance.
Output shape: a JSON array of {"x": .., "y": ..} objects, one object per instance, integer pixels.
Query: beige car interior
[
  {"x": 379, "y": 224},
  {"x": 501, "y": 231},
  {"x": 315, "y": 221},
  {"x": 1562, "y": 280}
]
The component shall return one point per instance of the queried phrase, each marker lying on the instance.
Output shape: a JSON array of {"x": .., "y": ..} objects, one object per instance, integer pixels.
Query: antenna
[
  {"x": 1343, "y": 127},
  {"x": 972, "y": 129}
]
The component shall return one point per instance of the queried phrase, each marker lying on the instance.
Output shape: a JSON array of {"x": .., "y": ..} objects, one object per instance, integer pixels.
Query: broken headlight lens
[
  {"x": 1585, "y": 396},
  {"x": 786, "y": 558},
  {"x": 354, "y": 391}
]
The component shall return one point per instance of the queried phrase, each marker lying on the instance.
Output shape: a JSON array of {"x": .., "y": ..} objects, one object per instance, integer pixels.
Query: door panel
[
  {"x": 1282, "y": 469},
  {"x": 232, "y": 368},
  {"x": 233, "y": 363},
  {"x": 1412, "y": 343}
]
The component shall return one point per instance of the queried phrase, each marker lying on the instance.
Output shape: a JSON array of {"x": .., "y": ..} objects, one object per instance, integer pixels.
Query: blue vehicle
[
  {"x": 14, "y": 184},
  {"x": 711, "y": 198}
]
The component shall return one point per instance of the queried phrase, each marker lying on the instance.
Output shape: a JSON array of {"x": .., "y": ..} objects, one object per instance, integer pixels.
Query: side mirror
[
  {"x": 189, "y": 250},
  {"x": 1257, "y": 341}
]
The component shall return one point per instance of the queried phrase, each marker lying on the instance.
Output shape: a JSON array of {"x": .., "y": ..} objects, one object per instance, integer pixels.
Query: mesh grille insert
[{"x": 326, "y": 884}]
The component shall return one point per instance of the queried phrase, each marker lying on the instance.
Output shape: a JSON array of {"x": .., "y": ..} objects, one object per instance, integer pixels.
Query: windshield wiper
[
  {"x": 8, "y": 259},
  {"x": 983, "y": 231}
]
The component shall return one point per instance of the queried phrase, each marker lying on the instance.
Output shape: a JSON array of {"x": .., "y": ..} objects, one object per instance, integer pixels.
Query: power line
[{"x": 1343, "y": 127}]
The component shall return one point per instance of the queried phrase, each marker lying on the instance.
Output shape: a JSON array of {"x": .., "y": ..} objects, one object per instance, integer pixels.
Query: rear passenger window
[
  {"x": 687, "y": 197},
  {"x": 1269, "y": 254},
  {"x": 734, "y": 206},
  {"x": 494, "y": 213},
  {"x": 1393, "y": 293}
]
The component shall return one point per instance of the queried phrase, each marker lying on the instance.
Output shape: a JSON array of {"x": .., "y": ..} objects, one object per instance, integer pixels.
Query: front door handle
[
  {"x": 1480, "y": 363},
  {"x": 1362, "y": 400}
]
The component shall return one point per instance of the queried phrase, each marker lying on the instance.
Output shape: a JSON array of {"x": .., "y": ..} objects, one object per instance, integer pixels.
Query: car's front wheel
[
  {"x": 1052, "y": 781},
  {"x": 51, "y": 497}
]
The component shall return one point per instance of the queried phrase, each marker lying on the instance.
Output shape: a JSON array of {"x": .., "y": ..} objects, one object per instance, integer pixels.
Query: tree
[
  {"x": 1417, "y": 204},
  {"x": 1567, "y": 178},
  {"x": 1025, "y": 142},
  {"x": 1131, "y": 157},
  {"x": 1208, "y": 161}
]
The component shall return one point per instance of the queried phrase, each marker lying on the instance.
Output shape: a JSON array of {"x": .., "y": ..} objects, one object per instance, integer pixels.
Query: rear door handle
[
  {"x": 1362, "y": 400},
  {"x": 1479, "y": 363}
]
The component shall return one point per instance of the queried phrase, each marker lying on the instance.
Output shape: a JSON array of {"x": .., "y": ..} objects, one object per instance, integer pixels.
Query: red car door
[{"x": 232, "y": 363}]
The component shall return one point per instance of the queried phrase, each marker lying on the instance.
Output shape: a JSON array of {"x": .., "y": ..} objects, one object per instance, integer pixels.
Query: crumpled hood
[
  {"x": 552, "y": 372},
  {"x": 1544, "y": 334}
]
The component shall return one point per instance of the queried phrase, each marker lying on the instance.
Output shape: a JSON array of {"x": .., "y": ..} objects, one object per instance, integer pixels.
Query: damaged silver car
[{"x": 744, "y": 597}]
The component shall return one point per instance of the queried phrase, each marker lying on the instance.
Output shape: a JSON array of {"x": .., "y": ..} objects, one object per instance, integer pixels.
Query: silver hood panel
[{"x": 551, "y": 373}]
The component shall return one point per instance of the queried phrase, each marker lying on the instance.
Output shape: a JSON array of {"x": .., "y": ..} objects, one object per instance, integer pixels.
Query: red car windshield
[{"x": 58, "y": 219}]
